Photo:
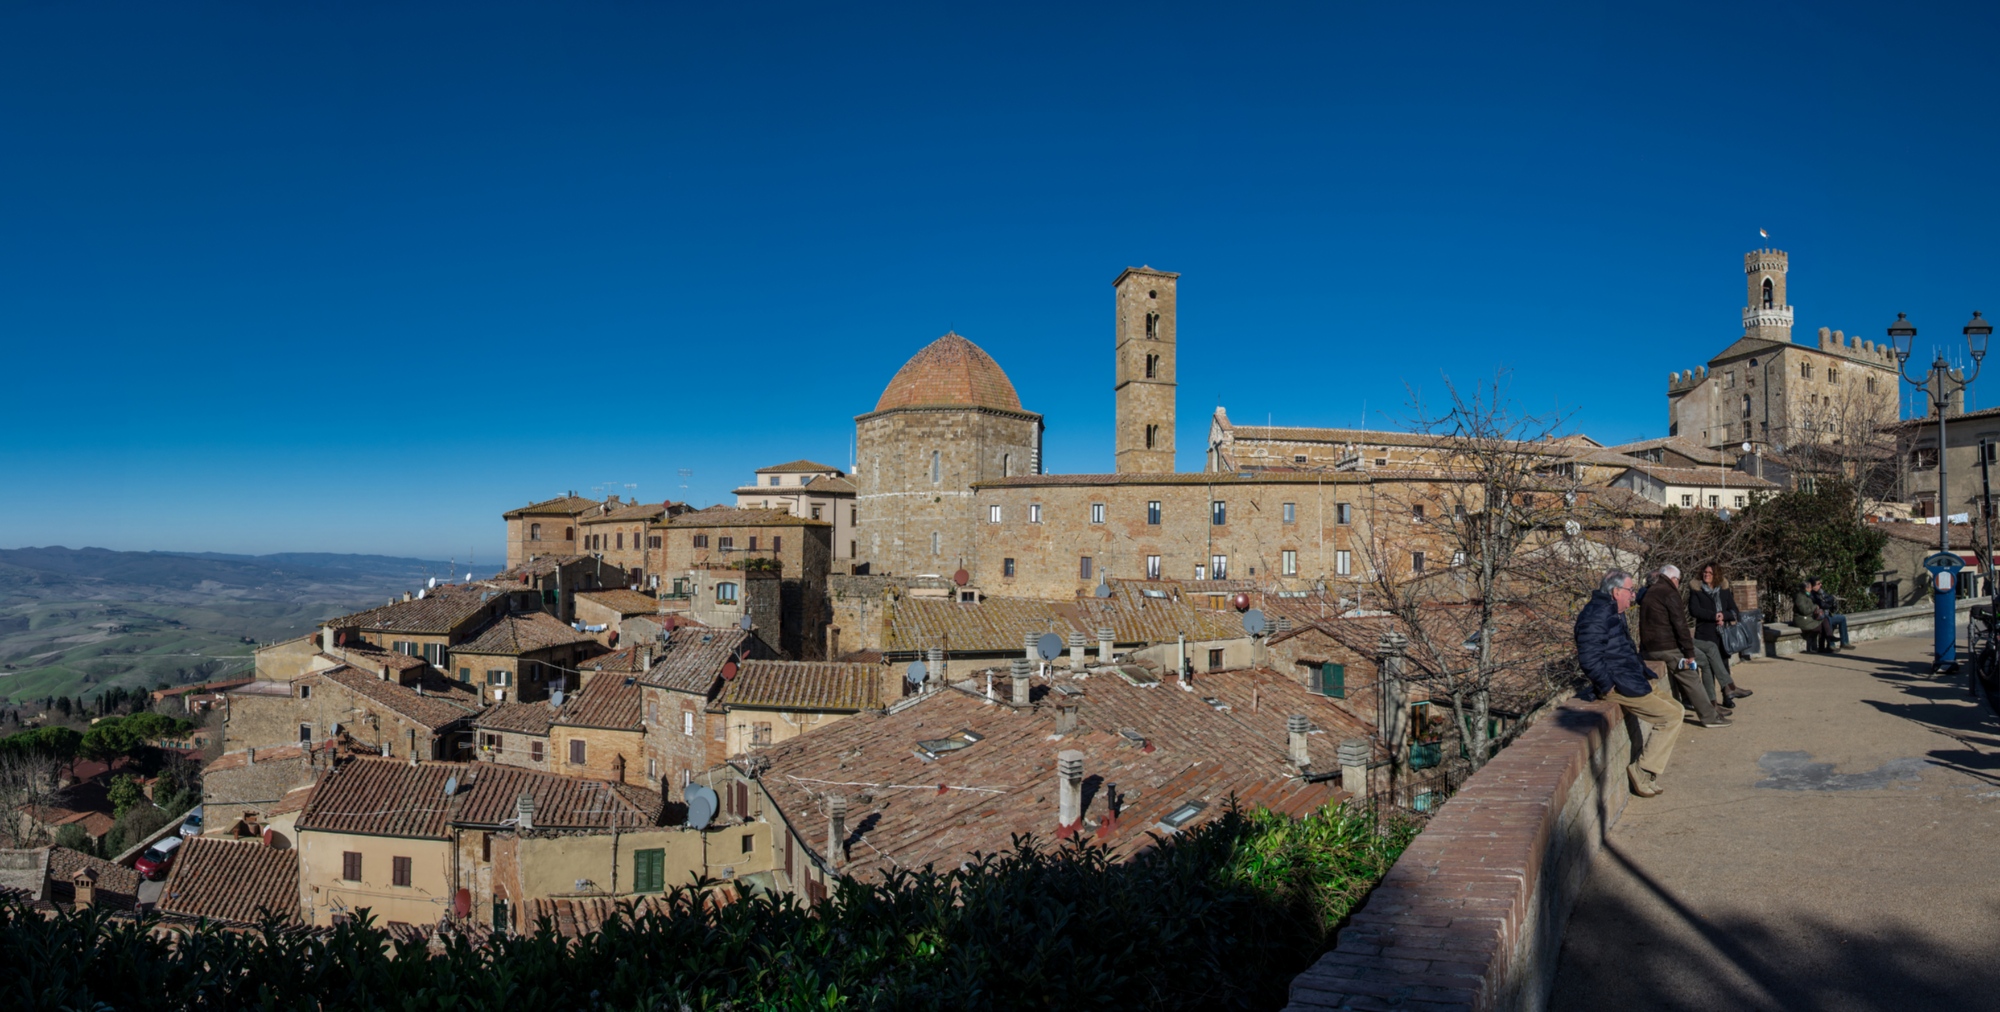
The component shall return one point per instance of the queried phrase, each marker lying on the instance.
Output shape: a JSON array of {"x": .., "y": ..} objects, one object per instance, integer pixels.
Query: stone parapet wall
[{"x": 1472, "y": 915}]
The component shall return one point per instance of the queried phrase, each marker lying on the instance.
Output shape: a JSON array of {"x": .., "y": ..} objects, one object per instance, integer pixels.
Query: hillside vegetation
[{"x": 75, "y": 621}]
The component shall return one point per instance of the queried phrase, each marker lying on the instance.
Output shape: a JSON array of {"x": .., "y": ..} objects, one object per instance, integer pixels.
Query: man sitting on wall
[
  {"x": 1604, "y": 650},
  {"x": 1830, "y": 606},
  {"x": 1667, "y": 634}
]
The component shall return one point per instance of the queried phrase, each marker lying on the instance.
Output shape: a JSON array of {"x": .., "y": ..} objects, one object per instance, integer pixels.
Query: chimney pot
[
  {"x": 836, "y": 831},
  {"x": 1104, "y": 636},
  {"x": 1069, "y": 790},
  {"x": 1066, "y": 718},
  {"x": 1022, "y": 692},
  {"x": 1297, "y": 726},
  {"x": 524, "y": 811},
  {"x": 1354, "y": 766}
]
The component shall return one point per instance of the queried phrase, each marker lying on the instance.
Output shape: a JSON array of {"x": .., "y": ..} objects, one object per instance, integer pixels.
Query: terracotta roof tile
[
  {"x": 114, "y": 883},
  {"x": 950, "y": 372},
  {"x": 623, "y": 600},
  {"x": 232, "y": 882},
  {"x": 804, "y": 685},
  {"x": 560, "y": 506},
  {"x": 513, "y": 635},
  {"x": 1700, "y": 476},
  {"x": 636, "y": 511},
  {"x": 560, "y": 802},
  {"x": 797, "y": 466},
  {"x": 388, "y": 797},
  {"x": 441, "y": 610},
  {"x": 694, "y": 658},
  {"x": 732, "y": 516},
  {"x": 441, "y": 703},
  {"x": 517, "y": 718},
  {"x": 607, "y": 703},
  {"x": 910, "y": 812},
  {"x": 998, "y": 624}
]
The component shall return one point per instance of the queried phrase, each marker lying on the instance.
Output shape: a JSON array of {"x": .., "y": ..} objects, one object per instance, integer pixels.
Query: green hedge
[{"x": 1219, "y": 917}]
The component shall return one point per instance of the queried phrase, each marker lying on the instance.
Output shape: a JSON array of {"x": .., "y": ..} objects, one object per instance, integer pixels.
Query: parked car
[
  {"x": 191, "y": 826},
  {"x": 154, "y": 863}
]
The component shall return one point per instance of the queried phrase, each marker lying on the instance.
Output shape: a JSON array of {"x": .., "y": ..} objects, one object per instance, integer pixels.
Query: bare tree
[{"x": 1484, "y": 561}]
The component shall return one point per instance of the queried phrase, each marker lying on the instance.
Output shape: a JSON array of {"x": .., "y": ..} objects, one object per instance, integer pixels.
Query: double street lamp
[{"x": 1939, "y": 384}]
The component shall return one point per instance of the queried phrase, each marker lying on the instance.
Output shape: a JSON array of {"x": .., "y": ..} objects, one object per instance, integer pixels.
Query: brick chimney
[
  {"x": 836, "y": 831},
  {"x": 1297, "y": 726},
  {"x": 1066, "y": 718},
  {"x": 85, "y": 884},
  {"x": 1022, "y": 691},
  {"x": 1069, "y": 791}
]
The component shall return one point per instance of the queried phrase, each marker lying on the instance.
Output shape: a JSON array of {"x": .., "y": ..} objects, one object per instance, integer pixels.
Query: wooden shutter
[
  {"x": 400, "y": 871},
  {"x": 1333, "y": 680},
  {"x": 350, "y": 865},
  {"x": 576, "y": 751},
  {"x": 649, "y": 870}
]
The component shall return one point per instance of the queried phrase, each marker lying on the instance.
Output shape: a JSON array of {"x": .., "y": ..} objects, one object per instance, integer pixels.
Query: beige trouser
[{"x": 1664, "y": 713}]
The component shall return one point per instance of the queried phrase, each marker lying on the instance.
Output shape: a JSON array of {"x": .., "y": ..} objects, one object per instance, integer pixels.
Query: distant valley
[{"x": 74, "y": 621}]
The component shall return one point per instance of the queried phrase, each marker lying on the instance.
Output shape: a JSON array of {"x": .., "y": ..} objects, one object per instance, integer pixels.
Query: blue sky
[{"x": 359, "y": 276}]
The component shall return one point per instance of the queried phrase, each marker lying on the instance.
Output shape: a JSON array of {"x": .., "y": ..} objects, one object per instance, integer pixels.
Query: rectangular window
[
  {"x": 1218, "y": 513},
  {"x": 499, "y": 678},
  {"x": 653, "y": 541},
  {"x": 1458, "y": 558},
  {"x": 1871, "y": 384},
  {"x": 535, "y": 751},
  {"x": 1219, "y": 565},
  {"x": 1153, "y": 512},
  {"x": 1687, "y": 500},
  {"x": 1805, "y": 370},
  {"x": 1006, "y": 567},
  {"x": 1291, "y": 511},
  {"x": 1416, "y": 562},
  {"x": 1152, "y": 567},
  {"x": 773, "y": 481},
  {"x": 1343, "y": 512},
  {"x": 434, "y": 653},
  {"x": 1035, "y": 513},
  {"x": 760, "y": 732},
  {"x": 1215, "y": 660},
  {"x": 350, "y": 866},
  {"x": 1097, "y": 513},
  {"x": 749, "y": 844},
  {"x": 649, "y": 870},
  {"x": 1739, "y": 502},
  {"x": 725, "y": 542},
  {"x": 1328, "y": 679},
  {"x": 1343, "y": 563},
  {"x": 687, "y": 723},
  {"x": 753, "y": 542},
  {"x": 937, "y": 466},
  {"x": 1298, "y": 458},
  {"x": 1288, "y": 563},
  {"x": 1729, "y": 380},
  {"x": 1714, "y": 501},
  {"x": 621, "y": 540},
  {"x": 1417, "y": 512},
  {"x": 992, "y": 514},
  {"x": 577, "y": 753},
  {"x": 399, "y": 871},
  {"x": 701, "y": 541},
  {"x": 1083, "y": 568},
  {"x": 495, "y": 743}
]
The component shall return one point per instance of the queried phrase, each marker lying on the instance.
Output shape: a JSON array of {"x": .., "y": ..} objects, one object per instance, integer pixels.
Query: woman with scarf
[{"x": 1710, "y": 607}]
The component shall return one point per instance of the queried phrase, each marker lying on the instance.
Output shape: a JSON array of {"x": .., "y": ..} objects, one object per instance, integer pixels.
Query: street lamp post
[{"x": 1938, "y": 382}]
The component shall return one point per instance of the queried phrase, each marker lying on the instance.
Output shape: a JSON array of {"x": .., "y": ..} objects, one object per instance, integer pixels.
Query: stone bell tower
[
  {"x": 1767, "y": 315},
  {"x": 1145, "y": 371}
]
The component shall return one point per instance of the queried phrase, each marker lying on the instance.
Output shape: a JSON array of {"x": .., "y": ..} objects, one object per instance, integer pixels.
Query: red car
[{"x": 153, "y": 864}]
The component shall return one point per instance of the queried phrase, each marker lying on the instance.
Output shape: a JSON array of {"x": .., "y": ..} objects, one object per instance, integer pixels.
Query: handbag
[{"x": 1742, "y": 636}]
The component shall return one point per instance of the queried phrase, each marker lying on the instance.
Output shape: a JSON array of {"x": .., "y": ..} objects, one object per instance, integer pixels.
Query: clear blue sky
[{"x": 359, "y": 276}]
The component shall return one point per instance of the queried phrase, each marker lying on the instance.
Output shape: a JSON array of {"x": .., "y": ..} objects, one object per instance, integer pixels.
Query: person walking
[
  {"x": 1710, "y": 610},
  {"x": 1665, "y": 634},
  {"x": 1604, "y": 650}
]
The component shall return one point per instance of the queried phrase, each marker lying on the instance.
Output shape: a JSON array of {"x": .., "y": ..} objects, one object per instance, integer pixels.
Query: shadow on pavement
[
  {"x": 1946, "y": 707},
  {"x": 1679, "y": 960}
]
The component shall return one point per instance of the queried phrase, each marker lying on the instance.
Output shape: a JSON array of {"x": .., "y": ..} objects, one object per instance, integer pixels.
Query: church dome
[{"x": 950, "y": 372}]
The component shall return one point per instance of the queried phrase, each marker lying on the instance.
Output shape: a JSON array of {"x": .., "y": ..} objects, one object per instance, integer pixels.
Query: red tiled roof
[
  {"x": 950, "y": 372},
  {"x": 388, "y": 797},
  {"x": 441, "y": 610},
  {"x": 804, "y": 685},
  {"x": 623, "y": 600},
  {"x": 694, "y": 657},
  {"x": 732, "y": 516},
  {"x": 910, "y": 812},
  {"x": 441, "y": 703},
  {"x": 607, "y": 703},
  {"x": 518, "y": 718},
  {"x": 636, "y": 511},
  {"x": 797, "y": 466},
  {"x": 114, "y": 883},
  {"x": 233, "y": 882},
  {"x": 998, "y": 624},
  {"x": 513, "y": 635},
  {"x": 562, "y": 506}
]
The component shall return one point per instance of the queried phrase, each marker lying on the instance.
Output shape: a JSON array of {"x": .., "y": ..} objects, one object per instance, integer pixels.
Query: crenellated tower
[
  {"x": 1766, "y": 315},
  {"x": 1145, "y": 371}
]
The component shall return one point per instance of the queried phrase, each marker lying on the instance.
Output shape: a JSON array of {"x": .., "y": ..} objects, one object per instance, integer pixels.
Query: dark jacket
[
  {"x": 1663, "y": 620},
  {"x": 1702, "y": 607},
  {"x": 1604, "y": 650}
]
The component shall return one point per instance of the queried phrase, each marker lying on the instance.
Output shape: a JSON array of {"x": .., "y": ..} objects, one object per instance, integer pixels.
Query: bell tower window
[
  {"x": 1152, "y": 436},
  {"x": 1767, "y": 293},
  {"x": 1152, "y": 326},
  {"x": 1152, "y": 366}
]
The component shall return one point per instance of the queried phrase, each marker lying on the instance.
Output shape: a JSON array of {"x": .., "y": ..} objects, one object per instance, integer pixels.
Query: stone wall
[
  {"x": 909, "y": 523},
  {"x": 1472, "y": 916}
]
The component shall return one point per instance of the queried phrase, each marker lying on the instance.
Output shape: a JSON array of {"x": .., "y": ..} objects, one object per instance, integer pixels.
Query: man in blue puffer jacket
[{"x": 1605, "y": 652}]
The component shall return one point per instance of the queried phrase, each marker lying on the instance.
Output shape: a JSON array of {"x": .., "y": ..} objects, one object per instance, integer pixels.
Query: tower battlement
[
  {"x": 1682, "y": 382},
  {"x": 1836, "y": 343}
]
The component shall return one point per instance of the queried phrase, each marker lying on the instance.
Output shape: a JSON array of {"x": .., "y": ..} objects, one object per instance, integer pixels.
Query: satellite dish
[
  {"x": 916, "y": 673},
  {"x": 434, "y": 580},
  {"x": 701, "y": 804},
  {"x": 1103, "y": 590},
  {"x": 1050, "y": 645},
  {"x": 743, "y": 623},
  {"x": 961, "y": 577},
  {"x": 450, "y": 786},
  {"x": 729, "y": 669},
  {"x": 1253, "y": 622}
]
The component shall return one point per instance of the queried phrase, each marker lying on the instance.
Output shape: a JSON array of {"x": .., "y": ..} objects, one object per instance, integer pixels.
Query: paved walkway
[{"x": 1839, "y": 849}]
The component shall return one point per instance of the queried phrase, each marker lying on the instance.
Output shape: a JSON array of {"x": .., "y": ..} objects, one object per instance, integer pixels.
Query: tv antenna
[{"x": 686, "y": 473}]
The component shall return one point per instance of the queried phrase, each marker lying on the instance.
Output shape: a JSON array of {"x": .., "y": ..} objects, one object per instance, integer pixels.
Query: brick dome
[{"x": 950, "y": 372}]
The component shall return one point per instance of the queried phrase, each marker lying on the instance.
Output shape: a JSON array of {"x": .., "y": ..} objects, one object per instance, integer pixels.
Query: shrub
[{"x": 1222, "y": 916}]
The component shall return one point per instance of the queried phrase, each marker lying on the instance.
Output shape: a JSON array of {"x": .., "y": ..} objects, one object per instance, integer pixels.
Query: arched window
[
  {"x": 1006, "y": 461},
  {"x": 1152, "y": 325},
  {"x": 937, "y": 543},
  {"x": 937, "y": 466},
  {"x": 1767, "y": 293},
  {"x": 534, "y": 532},
  {"x": 1152, "y": 366},
  {"x": 1152, "y": 436}
]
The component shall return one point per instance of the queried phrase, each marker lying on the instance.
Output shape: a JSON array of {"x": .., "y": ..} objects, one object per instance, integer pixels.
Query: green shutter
[
  {"x": 1333, "y": 680},
  {"x": 649, "y": 871}
]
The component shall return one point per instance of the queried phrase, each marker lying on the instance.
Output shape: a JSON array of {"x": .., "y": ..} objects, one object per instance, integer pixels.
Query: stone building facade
[
  {"x": 549, "y": 527},
  {"x": 811, "y": 490},
  {"x": 1768, "y": 391},
  {"x": 948, "y": 419},
  {"x": 698, "y": 546}
]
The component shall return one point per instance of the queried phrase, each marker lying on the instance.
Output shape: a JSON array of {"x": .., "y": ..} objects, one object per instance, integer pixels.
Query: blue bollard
[{"x": 1944, "y": 568}]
